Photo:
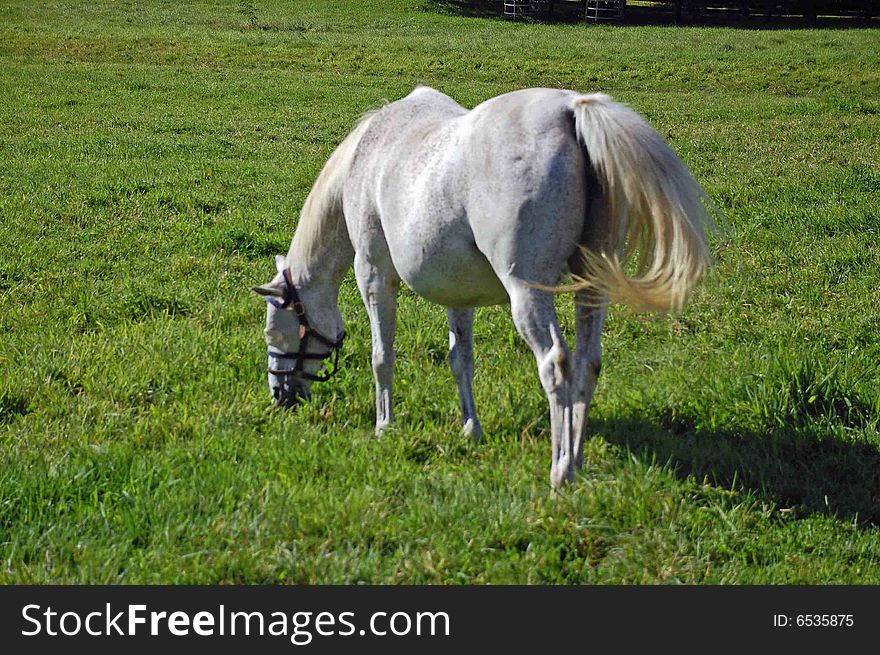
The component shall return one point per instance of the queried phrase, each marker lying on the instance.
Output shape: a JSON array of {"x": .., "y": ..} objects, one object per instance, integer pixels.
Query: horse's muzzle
[{"x": 289, "y": 393}]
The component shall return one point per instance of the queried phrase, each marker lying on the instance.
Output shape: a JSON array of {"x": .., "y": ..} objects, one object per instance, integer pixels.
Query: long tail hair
[{"x": 655, "y": 211}]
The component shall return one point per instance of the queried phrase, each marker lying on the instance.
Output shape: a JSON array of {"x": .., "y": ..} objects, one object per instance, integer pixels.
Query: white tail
[{"x": 656, "y": 211}]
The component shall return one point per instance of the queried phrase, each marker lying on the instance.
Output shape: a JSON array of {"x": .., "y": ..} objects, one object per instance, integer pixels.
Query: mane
[{"x": 322, "y": 210}]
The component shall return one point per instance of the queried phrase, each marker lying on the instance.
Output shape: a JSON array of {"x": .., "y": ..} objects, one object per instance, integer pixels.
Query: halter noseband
[{"x": 292, "y": 300}]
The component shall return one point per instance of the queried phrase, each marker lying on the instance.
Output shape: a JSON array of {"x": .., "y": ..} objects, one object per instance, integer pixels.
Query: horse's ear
[{"x": 273, "y": 288}]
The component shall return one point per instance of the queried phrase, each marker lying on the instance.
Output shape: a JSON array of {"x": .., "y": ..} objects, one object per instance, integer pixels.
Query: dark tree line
[
  {"x": 808, "y": 8},
  {"x": 572, "y": 9}
]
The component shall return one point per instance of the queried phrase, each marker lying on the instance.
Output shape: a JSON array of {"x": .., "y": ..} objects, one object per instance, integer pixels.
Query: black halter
[{"x": 292, "y": 300}]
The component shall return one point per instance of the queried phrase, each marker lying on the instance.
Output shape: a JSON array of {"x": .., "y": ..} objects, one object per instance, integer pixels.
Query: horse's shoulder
[
  {"x": 423, "y": 90},
  {"x": 420, "y": 112}
]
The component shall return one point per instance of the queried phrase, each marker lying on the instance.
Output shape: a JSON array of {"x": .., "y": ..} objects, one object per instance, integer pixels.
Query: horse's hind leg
[
  {"x": 461, "y": 360},
  {"x": 535, "y": 318},
  {"x": 587, "y": 363},
  {"x": 591, "y": 310}
]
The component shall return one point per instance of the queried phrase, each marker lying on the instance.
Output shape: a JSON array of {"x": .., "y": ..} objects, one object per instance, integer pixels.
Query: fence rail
[{"x": 599, "y": 10}]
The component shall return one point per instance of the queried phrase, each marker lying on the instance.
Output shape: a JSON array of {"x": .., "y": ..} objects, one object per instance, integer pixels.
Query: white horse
[{"x": 482, "y": 207}]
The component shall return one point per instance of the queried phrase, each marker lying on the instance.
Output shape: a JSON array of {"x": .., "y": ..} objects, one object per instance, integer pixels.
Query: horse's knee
[
  {"x": 383, "y": 364},
  {"x": 455, "y": 361},
  {"x": 589, "y": 370},
  {"x": 461, "y": 354}
]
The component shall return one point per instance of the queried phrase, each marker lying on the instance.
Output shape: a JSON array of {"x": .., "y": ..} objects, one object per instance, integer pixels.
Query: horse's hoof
[{"x": 473, "y": 429}]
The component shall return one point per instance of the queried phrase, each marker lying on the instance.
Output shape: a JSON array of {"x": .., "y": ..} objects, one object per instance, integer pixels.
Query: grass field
[{"x": 153, "y": 158}]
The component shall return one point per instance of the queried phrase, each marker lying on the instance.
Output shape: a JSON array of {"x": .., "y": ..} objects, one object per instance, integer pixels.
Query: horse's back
[{"x": 460, "y": 198}]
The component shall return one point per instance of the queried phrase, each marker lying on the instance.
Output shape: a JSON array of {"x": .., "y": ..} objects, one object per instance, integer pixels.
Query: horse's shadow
[{"x": 801, "y": 471}]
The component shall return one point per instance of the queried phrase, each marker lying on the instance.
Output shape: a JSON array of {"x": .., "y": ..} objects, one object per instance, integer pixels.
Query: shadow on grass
[
  {"x": 801, "y": 470},
  {"x": 734, "y": 17},
  {"x": 467, "y": 8}
]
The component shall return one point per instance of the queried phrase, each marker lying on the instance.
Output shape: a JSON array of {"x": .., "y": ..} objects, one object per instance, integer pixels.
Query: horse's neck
[
  {"x": 321, "y": 251},
  {"x": 320, "y": 272}
]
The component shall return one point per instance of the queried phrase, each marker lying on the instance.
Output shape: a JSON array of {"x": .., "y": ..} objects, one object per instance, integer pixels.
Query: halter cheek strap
[{"x": 306, "y": 331}]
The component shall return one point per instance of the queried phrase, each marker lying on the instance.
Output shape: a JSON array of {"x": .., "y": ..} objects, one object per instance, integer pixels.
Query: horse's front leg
[
  {"x": 461, "y": 361},
  {"x": 378, "y": 287}
]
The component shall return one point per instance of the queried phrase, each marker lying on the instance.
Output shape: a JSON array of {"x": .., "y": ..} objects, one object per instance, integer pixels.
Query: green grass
[{"x": 154, "y": 158}]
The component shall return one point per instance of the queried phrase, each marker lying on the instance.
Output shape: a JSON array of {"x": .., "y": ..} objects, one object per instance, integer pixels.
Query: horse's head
[{"x": 297, "y": 349}]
